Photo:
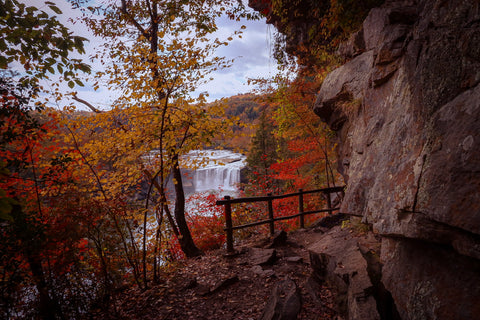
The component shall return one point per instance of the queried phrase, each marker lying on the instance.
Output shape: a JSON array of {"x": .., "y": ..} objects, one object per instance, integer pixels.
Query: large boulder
[
  {"x": 429, "y": 282},
  {"x": 285, "y": 303},
  {"x": 406, "y": 110},
  {"x": 337, "y": 260}
]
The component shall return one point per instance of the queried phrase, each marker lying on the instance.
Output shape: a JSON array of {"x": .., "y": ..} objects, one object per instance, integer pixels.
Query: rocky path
[{"x": 265, "y": 280}]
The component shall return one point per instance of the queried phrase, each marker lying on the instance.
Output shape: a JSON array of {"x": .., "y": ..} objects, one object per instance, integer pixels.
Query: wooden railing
[{"x": 228, "y": 201}]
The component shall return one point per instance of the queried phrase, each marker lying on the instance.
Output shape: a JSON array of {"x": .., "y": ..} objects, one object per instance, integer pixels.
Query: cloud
[
  {"x": 251, "y": 54},
  {"x": 252, "y": 59}
]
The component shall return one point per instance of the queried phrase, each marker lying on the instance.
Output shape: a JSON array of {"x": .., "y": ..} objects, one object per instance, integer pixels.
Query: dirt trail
[{"x": 218, "y": 287}]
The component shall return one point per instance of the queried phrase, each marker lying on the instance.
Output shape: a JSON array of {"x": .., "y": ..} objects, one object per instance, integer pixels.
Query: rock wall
[{"x": 406, "y": 109}]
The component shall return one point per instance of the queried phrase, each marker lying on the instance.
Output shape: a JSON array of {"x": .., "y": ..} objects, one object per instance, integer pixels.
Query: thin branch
[
  {"x": 87, "y": 104},
  {"x": 137, "y": 25},
  {"x": 155, "y": 183},
  {"x": 37, "y": 192}
]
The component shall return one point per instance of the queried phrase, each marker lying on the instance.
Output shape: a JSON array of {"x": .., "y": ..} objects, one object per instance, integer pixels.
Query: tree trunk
[
  {"x": 185, "y": 237},
  {"x": 48, "y": 308},
  {"x": 47, "y": 305}
]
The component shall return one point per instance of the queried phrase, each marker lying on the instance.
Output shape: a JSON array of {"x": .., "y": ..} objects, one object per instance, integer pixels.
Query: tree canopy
[{"x": 38, "y": 42}]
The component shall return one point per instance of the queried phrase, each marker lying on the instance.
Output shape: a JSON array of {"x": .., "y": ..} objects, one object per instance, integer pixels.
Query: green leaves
[
  {"x": 37, "y": 41},
  {"x": 53, "y": 7}
]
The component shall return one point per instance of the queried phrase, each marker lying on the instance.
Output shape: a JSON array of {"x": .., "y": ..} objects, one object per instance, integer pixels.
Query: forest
[
  {"x": 74, "y": 230},
  {"x": 105, "y": 212}
]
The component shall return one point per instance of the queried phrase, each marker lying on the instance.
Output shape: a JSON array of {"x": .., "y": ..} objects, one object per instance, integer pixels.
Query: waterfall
[
  {"x": 222, "y": 177},
  {"x": 220, "y": 171},
  {"x": 205, "y": 170}
]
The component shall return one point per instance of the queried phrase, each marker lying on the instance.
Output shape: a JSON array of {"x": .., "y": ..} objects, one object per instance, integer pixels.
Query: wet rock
[{"x": 285, "y": 302}]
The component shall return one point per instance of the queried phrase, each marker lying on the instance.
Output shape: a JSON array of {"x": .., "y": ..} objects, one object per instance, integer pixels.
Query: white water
[{"x": 215, "y": 170}]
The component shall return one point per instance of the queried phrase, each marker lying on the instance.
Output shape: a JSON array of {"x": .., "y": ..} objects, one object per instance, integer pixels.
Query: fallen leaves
[{"x": 218, "y": 287}]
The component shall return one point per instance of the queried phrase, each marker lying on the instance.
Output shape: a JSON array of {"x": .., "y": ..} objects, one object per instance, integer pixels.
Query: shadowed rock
[
  {"x": 337, "y": 259},
  {"x": 285, "y": 302},
  {"x": 258, "y": 256},
  {"x": 411, "y": 152}
]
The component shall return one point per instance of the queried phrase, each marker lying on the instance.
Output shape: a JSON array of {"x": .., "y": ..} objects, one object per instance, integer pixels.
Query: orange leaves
[{"x": 302, "y": 155}]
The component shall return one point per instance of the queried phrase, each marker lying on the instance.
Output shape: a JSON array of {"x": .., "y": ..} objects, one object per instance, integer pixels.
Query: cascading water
[
  {"x": 203, "y": 171},
  {"x": 220, "y": 170}
]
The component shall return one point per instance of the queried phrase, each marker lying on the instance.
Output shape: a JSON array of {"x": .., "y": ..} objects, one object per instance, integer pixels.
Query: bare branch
[{"x": 89, "y": 105}]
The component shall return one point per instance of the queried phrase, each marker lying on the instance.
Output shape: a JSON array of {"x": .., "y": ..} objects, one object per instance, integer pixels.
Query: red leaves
[{"x": 206, "y": 221}]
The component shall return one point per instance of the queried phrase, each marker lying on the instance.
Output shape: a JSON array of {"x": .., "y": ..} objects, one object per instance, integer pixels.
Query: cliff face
[
  {"x": 410, "y": 149},
  {"x": 406, "y": 109}
]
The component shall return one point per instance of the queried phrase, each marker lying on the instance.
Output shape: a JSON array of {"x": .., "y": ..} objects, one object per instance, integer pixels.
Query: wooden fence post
[
  {"x": 329, "y": 203},
  {"x": 270, "y": 215},
  {"x": 228, "y": 224},
  {"x": 300, "y": 208}
]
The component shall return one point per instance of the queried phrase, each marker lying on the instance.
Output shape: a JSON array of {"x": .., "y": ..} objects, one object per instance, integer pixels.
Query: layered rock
[
  {"x": 336, "y": 258},
  {"x": 406, "y": 109}
]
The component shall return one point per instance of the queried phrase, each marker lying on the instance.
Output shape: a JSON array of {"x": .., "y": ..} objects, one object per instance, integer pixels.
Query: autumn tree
[
  {"x": 158, "y": 53},
  {"x": 263, "y": 151},
  {"x": 307, "y": 158},
  {"x": 39, "y": 46},
  {"x": 246, "y": 108},
  {"x": 292, "y": 148}
]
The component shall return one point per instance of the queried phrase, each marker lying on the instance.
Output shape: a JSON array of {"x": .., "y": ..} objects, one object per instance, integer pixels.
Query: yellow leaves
[{"x": 154, "y": 111}]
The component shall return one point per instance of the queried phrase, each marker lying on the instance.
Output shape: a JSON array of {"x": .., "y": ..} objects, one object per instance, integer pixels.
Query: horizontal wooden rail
[
  {"x": 258, "y": 223},
  {"x": 227, "y": 202},
  {"x": 282, "y": 196}
]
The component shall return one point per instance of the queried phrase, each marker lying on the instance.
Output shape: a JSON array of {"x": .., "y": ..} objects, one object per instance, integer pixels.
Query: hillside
[{"x": 245, "y": 108}]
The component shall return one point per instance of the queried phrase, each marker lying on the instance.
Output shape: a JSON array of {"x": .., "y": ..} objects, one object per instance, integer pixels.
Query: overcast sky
[{"x": 251, "y": 54}]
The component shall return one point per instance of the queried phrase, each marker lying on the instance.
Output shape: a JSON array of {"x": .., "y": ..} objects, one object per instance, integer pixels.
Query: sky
[{"x": 251, "y": 54}]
